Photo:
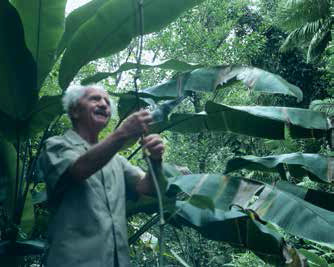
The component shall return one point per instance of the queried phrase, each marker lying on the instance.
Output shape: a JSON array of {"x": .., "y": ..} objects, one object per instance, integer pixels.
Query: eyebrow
[{"x": 106, "y": 98}]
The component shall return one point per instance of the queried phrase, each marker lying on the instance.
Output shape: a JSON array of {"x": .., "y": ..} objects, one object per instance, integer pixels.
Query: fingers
[
  {"x": 144, "y": 118},
  {"x": 137, "y": 123},
  {"x": 153, "y": 143}
]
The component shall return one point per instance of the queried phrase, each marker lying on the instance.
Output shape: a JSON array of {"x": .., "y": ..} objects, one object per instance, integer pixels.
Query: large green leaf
[
  {"x": 9, "y": 127},
  {"x": 18, "y": 92},
  {"x": 233, "y": 227},
  {"x": 7, "y": 175},
  {"x": 22, "y": 248},
  {"x": 28, "y": 216},
  {"x": 46, "y": 110},
  {"x": 237, "y": 229},
  {"x": 321, "y": 199},
  {"x": 172, "y": 64},
  {"x": 208, "y": 80},
  {"x": 211, "y": 78},
  {"x": 268, "y": 202},
  {"x": 320, "y": 166},
  {"x": 313, "y": 259},
  {"x": 112, "y": 29},
  {"x": 310, "y": 222},
  {"x": 37, "y": 119},
  {"x": 77, "y": 18},
  {"x": 265, "y": 122},
  {"x": 43, "y": 23}
]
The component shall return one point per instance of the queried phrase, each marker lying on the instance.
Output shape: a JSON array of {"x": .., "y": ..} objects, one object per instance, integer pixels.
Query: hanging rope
[{"x": 145, "y": 152}]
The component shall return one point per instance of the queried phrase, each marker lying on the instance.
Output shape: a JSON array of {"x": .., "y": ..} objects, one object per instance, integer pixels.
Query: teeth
[{"x": 100, "y": 112}]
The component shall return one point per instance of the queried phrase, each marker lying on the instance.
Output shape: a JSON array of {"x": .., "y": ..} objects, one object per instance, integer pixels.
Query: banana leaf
[
  {"x": 237, "y": 229},
  {"x": 8, "y": 158},
  {"x": 22, "y": 248},
  {"x": 19, "y": 92},
  {"x": 38, "y": 118},
  {"x": 211, "y": 78},
  {"x": 43, "y": 23},
  {"x": 240, "y": 228},
  {"x": 46, "y": 110},
  {"x": 320, "y": 167},
  {"x": 28, "y": 216},
  {"x": 234, "y": 227},
  {"x": 318, "y": 198},
  {"x": 18, "y": 75},
  {"x": 269, "y": 203},
  {"x": 75, "y": 20},
  {"x": 208, "y": 80},
  {"x": 171, "y": 64},
  {"x": 112, "y": 29},
  {"x": 264, "y": 122}
]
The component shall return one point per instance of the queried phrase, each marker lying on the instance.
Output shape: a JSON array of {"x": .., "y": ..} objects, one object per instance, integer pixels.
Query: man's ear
[{"x": 74, "y": 111}]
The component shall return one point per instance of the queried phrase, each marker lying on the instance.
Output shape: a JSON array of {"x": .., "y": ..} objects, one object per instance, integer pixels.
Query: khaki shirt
[{"x": 88, "y": 224}]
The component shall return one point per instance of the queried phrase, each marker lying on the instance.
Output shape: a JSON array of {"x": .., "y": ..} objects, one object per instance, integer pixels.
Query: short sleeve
[
  {"x": 56, "y": 157},
  {"x": 132, "y": 174}
]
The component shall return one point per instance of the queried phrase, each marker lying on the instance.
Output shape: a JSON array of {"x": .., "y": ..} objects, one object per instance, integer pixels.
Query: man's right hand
[
  {"x": 136, "y": 124},
  {"x": 99, "y": 154}
]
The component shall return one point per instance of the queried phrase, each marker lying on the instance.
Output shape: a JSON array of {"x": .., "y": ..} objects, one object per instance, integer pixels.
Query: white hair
[{"x": 75, "y": 92}]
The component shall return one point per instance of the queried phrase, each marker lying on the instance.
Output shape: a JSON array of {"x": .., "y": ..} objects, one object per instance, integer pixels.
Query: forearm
[{"x": 97, "y": 156}]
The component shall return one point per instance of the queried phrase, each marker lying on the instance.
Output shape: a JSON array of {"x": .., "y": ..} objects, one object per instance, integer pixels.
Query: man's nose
[{"x": 103, "y": 103}]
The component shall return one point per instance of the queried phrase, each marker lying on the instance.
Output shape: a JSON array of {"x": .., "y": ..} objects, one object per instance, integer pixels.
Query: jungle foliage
[{"x": 38, "y": 42}]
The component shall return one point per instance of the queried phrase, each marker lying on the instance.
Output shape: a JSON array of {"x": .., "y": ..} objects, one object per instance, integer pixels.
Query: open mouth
[{"x": 102, "y": 113}]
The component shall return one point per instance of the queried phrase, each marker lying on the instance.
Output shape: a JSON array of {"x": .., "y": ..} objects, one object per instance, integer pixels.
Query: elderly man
[{"x": 87, "y": 182}]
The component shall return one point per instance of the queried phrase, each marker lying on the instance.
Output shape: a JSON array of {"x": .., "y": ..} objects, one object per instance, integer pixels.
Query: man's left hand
[{"x": 153, "y": 143}]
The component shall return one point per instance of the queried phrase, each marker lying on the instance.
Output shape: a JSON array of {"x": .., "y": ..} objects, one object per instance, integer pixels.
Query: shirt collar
[{"x": 76, "y": 139}]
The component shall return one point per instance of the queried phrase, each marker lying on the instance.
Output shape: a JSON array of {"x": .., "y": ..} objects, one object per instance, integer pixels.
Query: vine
[{"x": 145, "y": 152}]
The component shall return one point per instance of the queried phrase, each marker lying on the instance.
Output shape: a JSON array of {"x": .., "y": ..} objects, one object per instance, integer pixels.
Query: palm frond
[
  {"x": 330, "y": 56},
  {"x": 301, "y": 36},
  {"x": 330, "y": 47},
  {"x": 296, "y": 13},
  {"x": 318, "y": 45},
  {"x": 319, "y": 41},
  {"x": 325, "y": 106}
]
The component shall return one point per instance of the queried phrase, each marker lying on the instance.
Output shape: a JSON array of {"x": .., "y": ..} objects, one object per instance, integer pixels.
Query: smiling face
[{"x": 92, "y": 111}]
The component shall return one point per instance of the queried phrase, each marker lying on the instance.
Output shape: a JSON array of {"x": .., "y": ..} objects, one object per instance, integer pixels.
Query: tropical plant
[
  {"x": 309, "y": 23},
  {"x": 267, "y": 122},
  {"x": 234, "y": 210},
  {"x": 33, "y": 39}
]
